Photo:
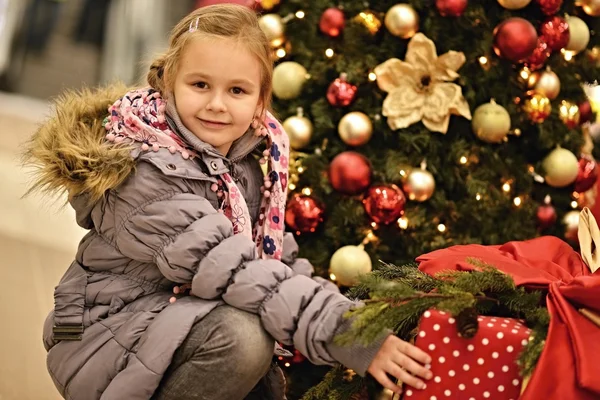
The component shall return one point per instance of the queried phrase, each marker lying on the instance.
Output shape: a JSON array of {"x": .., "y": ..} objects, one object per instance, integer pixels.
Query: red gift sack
[{"x": 483, "y": 367}]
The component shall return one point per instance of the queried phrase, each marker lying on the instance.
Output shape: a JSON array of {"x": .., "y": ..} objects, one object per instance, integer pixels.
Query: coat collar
[{"x": 239, "y": 149}]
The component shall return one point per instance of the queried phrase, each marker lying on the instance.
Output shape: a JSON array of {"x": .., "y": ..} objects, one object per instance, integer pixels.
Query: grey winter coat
[{"x": 152, "y": 223}]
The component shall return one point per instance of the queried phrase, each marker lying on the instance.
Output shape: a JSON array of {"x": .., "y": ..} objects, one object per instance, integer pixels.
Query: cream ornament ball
[
  {"x": 273, "y": 27},
  {"x": 419, "y": 185},
  {"x": 579, "y": 34},
  {"x": 545, "y": 83},
  {"x": 514, "y": 4},
  {"x": 402, "y": 20},
  {"x": 299, "y": 130},
  {"x": 560, "y": 168},
  {"x": 348, "y": 263},
  {"x": 288, "y": 79},
  {"x": 491, "y": 122},
  {"x": 355, "y": 128}
]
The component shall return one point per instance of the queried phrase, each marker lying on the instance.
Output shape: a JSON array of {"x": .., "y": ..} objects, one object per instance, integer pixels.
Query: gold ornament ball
[
  {"x": 348, "y": 263},
  {"x": 387, "y": 394},
  {"x": 560, "y": 168},
  {"x": 545, "y": 83},
  {"x": 571, "y": 222},
  {"x": 491, "y": 122},
  {"x": 537, "y": 107},
  {"x": 402, "y": 20},
  {"x": 590, "y": 7},
  {"x": 288, "y": 79},
  {"x": 594, "y": 55},
  {"x": 268, "y": 5},
  {"x": 419, "y": 186},
  {"x": 514, "y": 4},
  {"x": 569, "y": 114},
  {"x": 369, "y": 20},
  {"x": 579, "y": 34},
  {"x": 277, "y": 53},
  {"x": 274, "y": 28},
  {"x": 299, "y": 130},
  {"x": 355, "y": 128}
]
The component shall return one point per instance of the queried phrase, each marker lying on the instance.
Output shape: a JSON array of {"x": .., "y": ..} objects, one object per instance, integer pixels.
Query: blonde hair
[{"x": 217, "y": 21}]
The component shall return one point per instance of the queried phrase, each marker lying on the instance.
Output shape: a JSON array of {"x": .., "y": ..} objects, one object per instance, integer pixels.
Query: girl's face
[{"x": 217, "y": 90}]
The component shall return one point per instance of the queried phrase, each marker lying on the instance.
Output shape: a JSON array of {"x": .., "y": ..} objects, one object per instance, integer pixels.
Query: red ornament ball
[
  {"x": 350, "y": 173},
  {"x": 298, "y": 357},
  {"x": 341, "y": 93},
  {"x": 332, "y": 22},
  {"x": 451, "y": 8},
  {"x": 585, "y": 112},
  {"x": 549, "y": 7},
  {"x": 546, "y": 216},
  {"x": 304, "y": 214},
  {"x": 539, "y": 56},
  {"x": 587, "y": 174},
  {"x": 515, "y": 39},
  {"x": 555, "y": 32},
  {"x": 384, "y": 203}
]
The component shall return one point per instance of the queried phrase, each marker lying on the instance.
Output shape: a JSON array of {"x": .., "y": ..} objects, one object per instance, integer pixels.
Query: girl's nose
[{"x": 216, "y": 104}]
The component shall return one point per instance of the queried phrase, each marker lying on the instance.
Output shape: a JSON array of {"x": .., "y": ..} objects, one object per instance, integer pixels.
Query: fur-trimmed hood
[{"x": 69, "y": 151}]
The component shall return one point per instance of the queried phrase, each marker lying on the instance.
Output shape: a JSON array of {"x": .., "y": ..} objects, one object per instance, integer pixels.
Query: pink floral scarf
[{"x": 140, "y": 117}]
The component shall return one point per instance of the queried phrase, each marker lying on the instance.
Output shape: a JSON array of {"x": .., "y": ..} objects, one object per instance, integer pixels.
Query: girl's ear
[
  {"x": 260, "y": 110},
  {"x": 164, "y": 79}
]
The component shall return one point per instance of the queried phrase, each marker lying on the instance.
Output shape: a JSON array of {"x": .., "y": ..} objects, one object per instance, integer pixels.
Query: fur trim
[{"x": 69, "y": 151}]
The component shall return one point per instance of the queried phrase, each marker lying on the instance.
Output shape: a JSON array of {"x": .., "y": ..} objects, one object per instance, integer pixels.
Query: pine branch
[
  {"x": 401, "y": 301},
  {"x": 395, "y": 304},
  {"x": 331, "y": 389}
]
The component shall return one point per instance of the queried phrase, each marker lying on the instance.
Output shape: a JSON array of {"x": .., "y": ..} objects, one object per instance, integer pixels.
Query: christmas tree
[{"x": 420, "y": 125}]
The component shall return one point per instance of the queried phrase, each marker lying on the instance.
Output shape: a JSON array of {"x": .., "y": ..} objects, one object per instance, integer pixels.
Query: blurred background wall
[{"x": 47, "y": 46}]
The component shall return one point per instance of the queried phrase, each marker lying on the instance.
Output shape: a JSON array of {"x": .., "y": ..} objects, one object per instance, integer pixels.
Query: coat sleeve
[
  {"x": 294, "y": 309},
  {"x": 297, "y": 310},
  {"x": 302, "y": 266},
  {"x": 190, "y": 241}
]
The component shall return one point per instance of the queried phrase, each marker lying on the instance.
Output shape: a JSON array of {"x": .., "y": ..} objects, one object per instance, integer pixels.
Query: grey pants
[{"x": 225, "y": 356}]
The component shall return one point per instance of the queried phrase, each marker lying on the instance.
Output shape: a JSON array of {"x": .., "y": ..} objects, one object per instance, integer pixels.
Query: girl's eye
[
  {"x": 201, "y": 85},
  {"x": 237, "y": 90}
]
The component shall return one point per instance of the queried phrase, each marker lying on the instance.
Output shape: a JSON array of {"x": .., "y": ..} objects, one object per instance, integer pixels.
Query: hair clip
[{"x": 194, "y": 26}]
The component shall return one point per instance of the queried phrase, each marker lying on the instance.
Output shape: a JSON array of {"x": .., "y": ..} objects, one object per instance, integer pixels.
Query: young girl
[{"x": 171, "y": 195}]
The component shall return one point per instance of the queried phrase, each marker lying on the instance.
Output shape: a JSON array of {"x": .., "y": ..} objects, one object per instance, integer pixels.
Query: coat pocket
[
  {"x": 116, "y": 305},
  {"x": 69, "y": 303}
]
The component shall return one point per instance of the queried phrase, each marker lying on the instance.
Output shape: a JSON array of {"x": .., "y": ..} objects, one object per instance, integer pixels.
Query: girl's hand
[
  {"x": 401, "y": 360},
  {"x": 180, "y": 290}
]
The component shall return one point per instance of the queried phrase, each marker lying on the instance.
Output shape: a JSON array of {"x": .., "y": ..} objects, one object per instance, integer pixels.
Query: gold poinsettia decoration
[{"x": 420, "y": 88}]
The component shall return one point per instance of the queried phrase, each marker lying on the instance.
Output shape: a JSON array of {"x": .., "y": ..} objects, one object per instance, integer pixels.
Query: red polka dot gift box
[{"x": 479, "y": 368}]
